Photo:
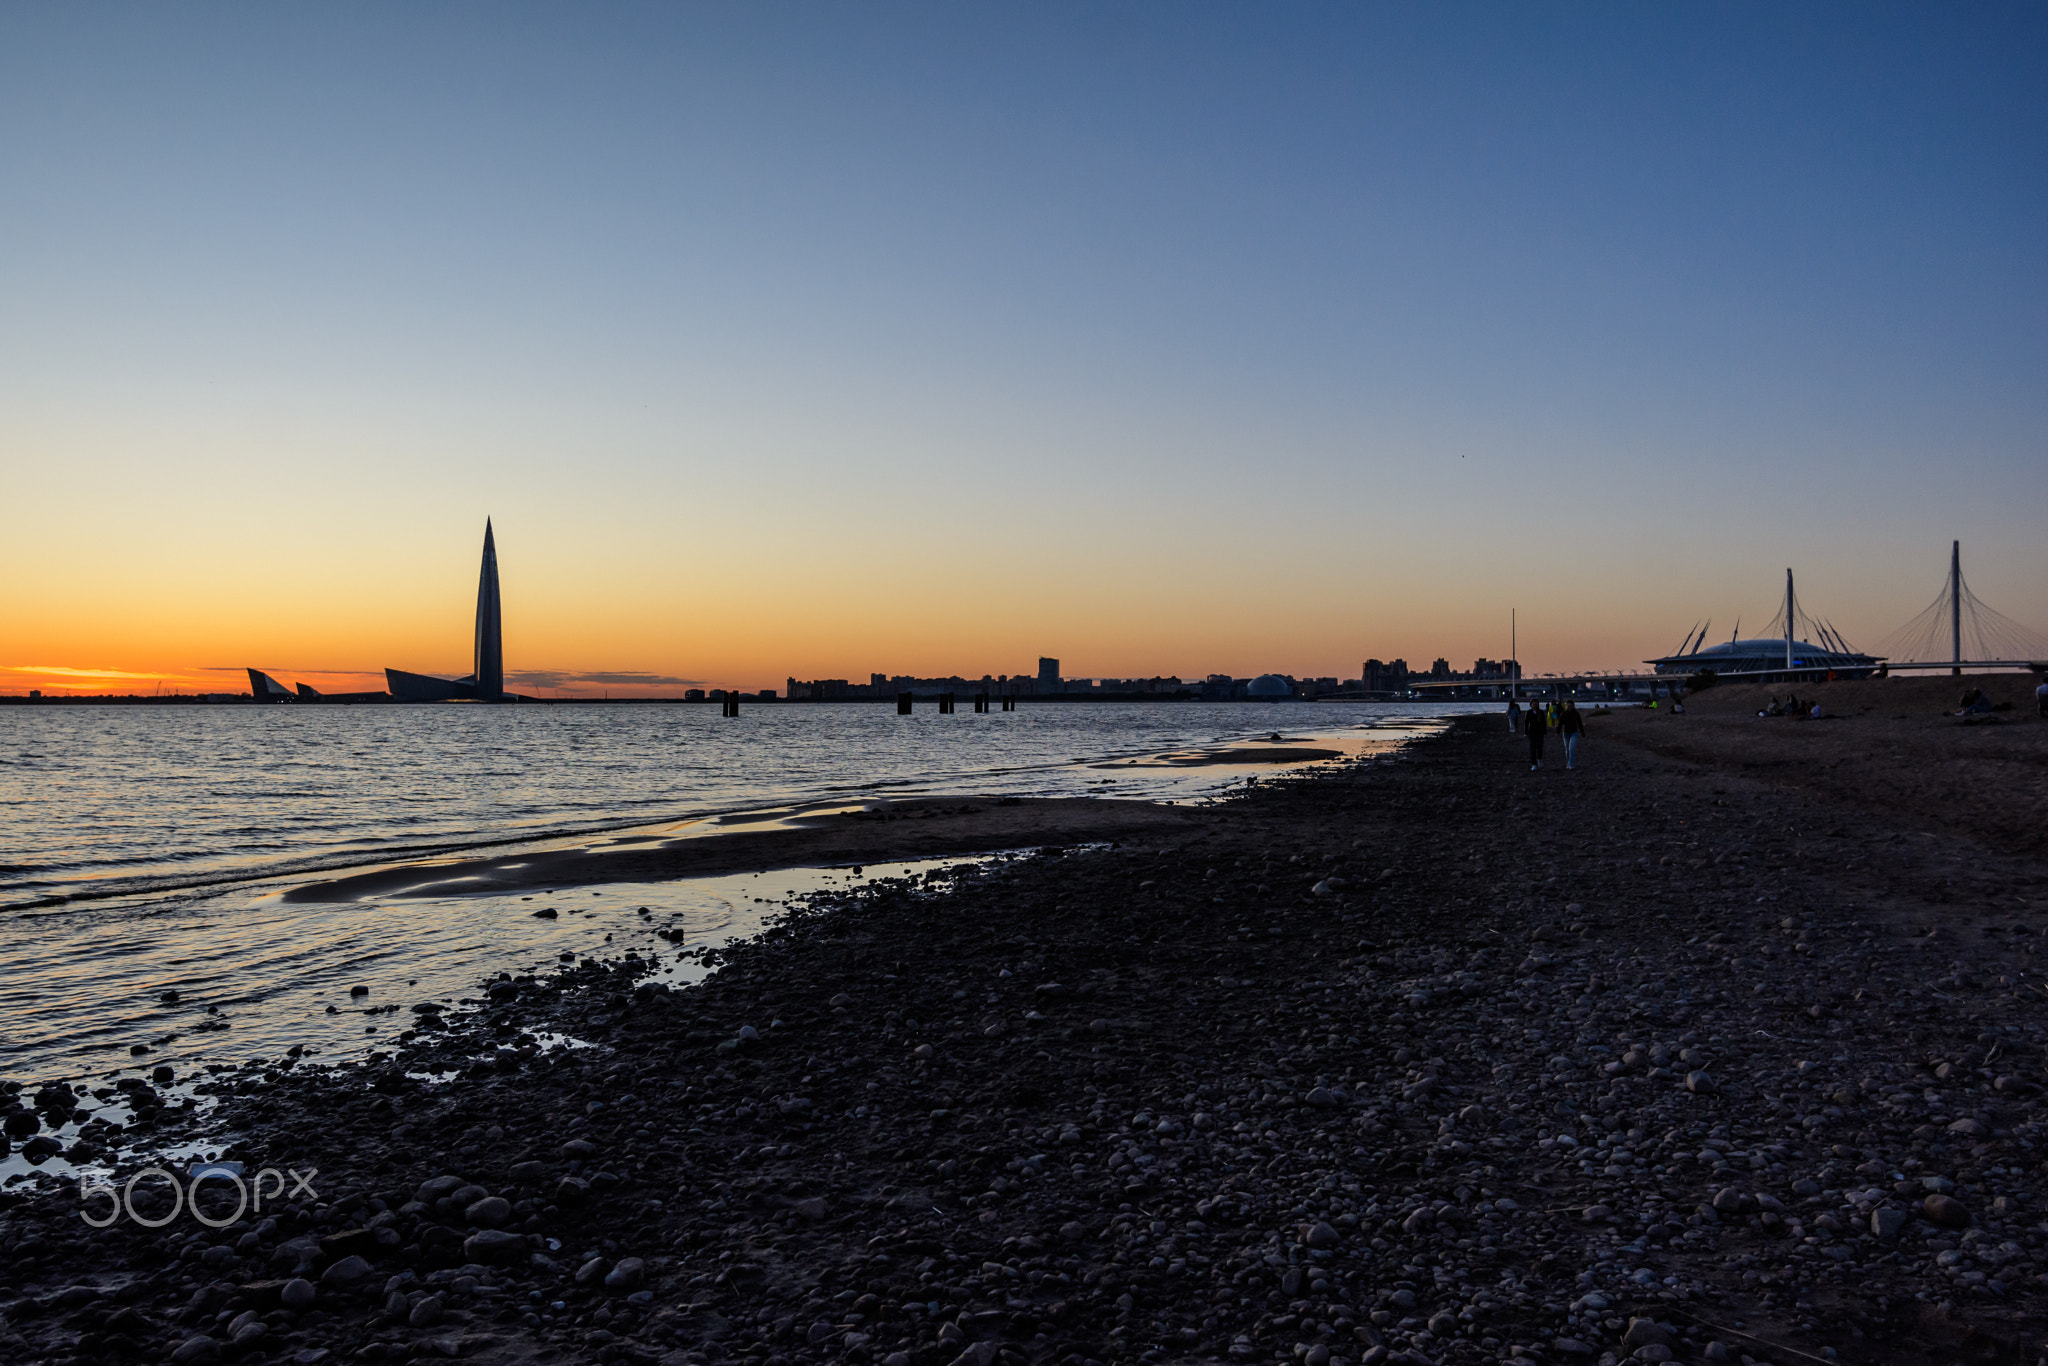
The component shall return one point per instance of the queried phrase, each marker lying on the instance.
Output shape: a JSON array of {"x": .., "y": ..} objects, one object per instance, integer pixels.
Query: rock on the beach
[
  {"x": 1700, "y": 1082},
  {"x": 527, "y": 1173},
  {"x": 490, "y": 1212},
  {"x": 1643, "y": 1333},
  {"x": 493, "y": 1245},
  {"x": 297, "y": 1294},
  {"x": 977, "y": 1354},
  {"x": 1887, "y": 1223},
  {"x": 195, "y": 1349},
  {"x": 1322, "y": 1235},
  {"x": 627, "y": 1275},
  {"x": 1946, "y": 1211},
  {"x": 346, "y": 1272}
]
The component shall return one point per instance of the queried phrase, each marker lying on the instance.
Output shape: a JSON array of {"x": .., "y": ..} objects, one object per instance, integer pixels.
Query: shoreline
[
  {"x": 1433, "y": 1058},
  {"x": 1243, "y": 753}
]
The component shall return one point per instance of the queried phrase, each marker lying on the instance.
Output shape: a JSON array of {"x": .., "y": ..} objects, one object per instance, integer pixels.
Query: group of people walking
[{"x": 1544, "y": 719}]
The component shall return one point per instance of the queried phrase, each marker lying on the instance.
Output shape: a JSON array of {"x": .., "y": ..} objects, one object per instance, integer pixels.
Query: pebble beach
[{"x": 1726, "y": 1047}]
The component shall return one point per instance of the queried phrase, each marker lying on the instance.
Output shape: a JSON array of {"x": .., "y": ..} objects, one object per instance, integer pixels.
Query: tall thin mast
[
  {"x": 1955, "y": 606},
  {"x": 1791, "y": 606},
  {"x": 1514, "y": 658}
]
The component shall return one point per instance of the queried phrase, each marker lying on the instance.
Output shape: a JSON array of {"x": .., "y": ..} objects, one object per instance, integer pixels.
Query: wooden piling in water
[{"x": 903, "y": 704}]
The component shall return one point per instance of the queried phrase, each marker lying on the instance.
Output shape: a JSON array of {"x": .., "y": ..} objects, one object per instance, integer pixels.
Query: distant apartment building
[
  {"x": 819, "y": 690},
  {"x": 887, "y": 687},
  {"x": 1048, "y": 674},
  {"x": 1375, "y": 676}
]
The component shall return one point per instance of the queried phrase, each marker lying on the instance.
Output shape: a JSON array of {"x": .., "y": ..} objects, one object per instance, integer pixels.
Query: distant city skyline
[{"x": 1177, "y": 339}]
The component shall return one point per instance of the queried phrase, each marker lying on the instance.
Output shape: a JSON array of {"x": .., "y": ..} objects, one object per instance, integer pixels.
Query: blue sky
[{"x": 1234, "y": 337}]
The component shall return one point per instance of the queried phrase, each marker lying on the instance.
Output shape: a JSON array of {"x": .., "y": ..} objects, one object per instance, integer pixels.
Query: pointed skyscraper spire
[{"x": 490, "y": 626}]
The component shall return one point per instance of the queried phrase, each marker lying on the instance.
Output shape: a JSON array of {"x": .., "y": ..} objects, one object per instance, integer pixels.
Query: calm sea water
[{"x": 146, "y": 848}]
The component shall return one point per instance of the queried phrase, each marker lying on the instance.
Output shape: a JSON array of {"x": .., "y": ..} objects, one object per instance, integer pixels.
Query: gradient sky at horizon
[{"x": 816, "y": 340}]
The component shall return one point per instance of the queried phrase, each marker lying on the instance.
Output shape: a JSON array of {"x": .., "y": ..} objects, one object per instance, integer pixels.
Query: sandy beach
[{"x": 1728, "y": 1045}]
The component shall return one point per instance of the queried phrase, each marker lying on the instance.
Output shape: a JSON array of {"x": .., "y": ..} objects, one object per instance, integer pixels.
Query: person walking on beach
[
  {"x": 1515, "y": 715},
  {"x": 1533, "y": 726},
  {"x": 1571, "y": 726}
]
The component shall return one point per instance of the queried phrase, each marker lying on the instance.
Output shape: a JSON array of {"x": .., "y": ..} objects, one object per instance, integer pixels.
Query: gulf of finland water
[{"x": 147, "y": 848}]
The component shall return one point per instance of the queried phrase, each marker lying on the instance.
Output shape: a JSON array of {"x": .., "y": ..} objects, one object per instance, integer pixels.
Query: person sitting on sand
[
  {"x": 1973, "y": 703},
  {"x": 1814, "y": 711},
  {"x": 1776, "y": 708}
]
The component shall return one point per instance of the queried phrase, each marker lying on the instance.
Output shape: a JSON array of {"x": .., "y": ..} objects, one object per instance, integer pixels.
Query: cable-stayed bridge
[{"x": 1958, "y": 631}]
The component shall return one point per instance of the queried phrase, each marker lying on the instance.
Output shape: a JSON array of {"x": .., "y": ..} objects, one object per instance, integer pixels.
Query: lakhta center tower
[
  {"x": 486, "y": 682},
  {"x": 489, "y": 672}
]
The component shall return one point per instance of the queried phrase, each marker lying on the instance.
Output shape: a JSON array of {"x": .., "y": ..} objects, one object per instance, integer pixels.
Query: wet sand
[
  {"x": 1705, "y": 1050},
  {"x": 874, "y": 832}
]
